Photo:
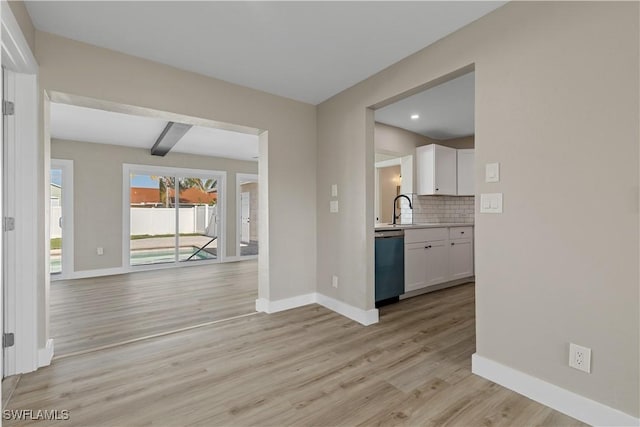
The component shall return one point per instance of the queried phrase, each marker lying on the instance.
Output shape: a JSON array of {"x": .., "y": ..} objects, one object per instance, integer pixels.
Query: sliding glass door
[
  {"x": 152, "y": 218},
  {"x": 173, "y": 215},
  {"x": 198, "y": 207}
]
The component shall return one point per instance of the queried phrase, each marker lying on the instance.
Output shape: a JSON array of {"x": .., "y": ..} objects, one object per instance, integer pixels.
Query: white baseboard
[
  {"x": 364, "y": 317},
  {"x": 84, "y": 274},
  {"x": 45, "y": 354},
  {"x": 562, "y": 400},
  {"x": 266, "y": 306}
]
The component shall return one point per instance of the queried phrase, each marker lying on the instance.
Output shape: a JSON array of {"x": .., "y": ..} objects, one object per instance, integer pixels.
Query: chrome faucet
[{"x": 395, "y": 217}]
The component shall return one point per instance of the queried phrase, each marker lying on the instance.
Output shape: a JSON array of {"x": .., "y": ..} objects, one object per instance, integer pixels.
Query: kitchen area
[{"x": 425, "y": 204}]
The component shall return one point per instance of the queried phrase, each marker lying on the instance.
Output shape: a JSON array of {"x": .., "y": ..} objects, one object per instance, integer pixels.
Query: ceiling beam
[{"x": 169, "y": 138}]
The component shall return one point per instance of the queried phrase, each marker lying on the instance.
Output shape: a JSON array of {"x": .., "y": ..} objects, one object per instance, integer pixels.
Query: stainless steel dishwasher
[{"x": 389, "y": 266}]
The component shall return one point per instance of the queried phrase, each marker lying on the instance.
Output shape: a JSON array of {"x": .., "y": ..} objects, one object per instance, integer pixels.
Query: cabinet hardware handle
[
  {"x": 452, "y": 243},
  {"x": 462, "y": 232},
  {"x": 427, "y": 247}
]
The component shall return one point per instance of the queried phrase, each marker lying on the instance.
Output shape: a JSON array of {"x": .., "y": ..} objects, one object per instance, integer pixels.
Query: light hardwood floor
[
  {"x": 303, "y": 367},
  {"x": 95, "y": 312}
]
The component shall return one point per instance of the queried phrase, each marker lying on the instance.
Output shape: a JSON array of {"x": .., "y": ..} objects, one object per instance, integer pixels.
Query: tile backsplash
[{"x": 428, "y": 209}]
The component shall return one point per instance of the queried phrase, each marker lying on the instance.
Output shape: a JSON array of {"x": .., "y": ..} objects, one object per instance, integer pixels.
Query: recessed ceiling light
[{"x": 415, "y": 116}]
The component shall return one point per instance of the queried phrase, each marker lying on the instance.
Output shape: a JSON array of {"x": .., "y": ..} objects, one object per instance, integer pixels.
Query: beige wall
[
  {"x": 19, "y": 11},
  {"x": 557, "y": 106},
  {"x": 388, "y": 181},
  {"x": 458, "y": 143},
  {"x": 252, "y": 189},
  {"x": 396, "y": 141},
  {"x": 80, "y": 69},
  {"x": 97, "y": 173}
]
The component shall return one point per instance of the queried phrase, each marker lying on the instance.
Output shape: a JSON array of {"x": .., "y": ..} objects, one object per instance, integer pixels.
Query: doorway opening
[
  {"x": 247, "y": 211},
  {"x": 424, "y": 199},
  {"x": 61, "y": 218},
  {"x": 148, "y": 200}
]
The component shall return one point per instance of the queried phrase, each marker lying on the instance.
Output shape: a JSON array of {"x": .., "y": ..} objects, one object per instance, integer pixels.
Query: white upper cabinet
[
  {"x": 437, "y": 170},
  {"x": 466, "y": 173}
]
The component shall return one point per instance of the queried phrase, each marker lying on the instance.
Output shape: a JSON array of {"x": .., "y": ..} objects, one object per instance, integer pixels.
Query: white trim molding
[
  {"x": 364, "y": 317},
  {"x": 45, "y": 355},
  {"x": 16, "y": 53},
  {"x": 562, "y": 400},
  {"x": 266, "y": 306}
]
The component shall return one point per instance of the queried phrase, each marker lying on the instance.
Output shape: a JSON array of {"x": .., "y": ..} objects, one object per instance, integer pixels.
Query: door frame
[
  {"x": 254, "y": 178},
  {"x": 25, "y": 284},
  {"x": 127, "y": 170},
  {"x": 67, "y": 218}
]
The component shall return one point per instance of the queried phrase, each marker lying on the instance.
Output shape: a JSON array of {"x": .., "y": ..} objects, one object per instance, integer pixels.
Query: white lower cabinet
[
  {"x": 432, "y": 262},
  {"x": 460, "y": 259},
  {"x": 437, "y": 263},
  {"x": 415, "y": 273}
]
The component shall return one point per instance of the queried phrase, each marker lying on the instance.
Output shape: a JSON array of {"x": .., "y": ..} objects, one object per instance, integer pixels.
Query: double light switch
[{"x": 491, "y": 203}]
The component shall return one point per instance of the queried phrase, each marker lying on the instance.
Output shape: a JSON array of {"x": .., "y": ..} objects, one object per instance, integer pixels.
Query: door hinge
[
  {"x": 8, "y": 108},
  {"x": 8, "y": 223},
  {"x": 8, "y": 339}
]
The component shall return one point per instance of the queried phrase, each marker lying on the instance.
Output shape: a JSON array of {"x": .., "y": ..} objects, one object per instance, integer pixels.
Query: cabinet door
[
  {"x": 466, "y": 173},
  {"x": 445, "y": 170},
  {"x": 460, "y": 258},
  {"x": 437, "y": 262},
  {"x": 425, "y": 168},
  {"x": 414, "y": 266}
]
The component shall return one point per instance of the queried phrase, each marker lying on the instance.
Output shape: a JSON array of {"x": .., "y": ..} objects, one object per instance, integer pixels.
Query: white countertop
[{"x": 386, "y": 227}]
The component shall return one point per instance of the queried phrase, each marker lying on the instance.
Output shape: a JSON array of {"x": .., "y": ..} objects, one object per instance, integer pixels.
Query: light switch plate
[
  {"x": 492, "y": 172},
  {"x": 491, "y": 203},
  {"x": 333, "y": 206},
  {"x": 334, "y": 190}
]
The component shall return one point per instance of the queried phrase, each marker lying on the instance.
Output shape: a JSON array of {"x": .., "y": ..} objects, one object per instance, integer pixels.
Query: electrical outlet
[
  {"x": 334, "y": 281},
  {"x": 580, "y": 357},
  {"x": 100, "y": 251}
]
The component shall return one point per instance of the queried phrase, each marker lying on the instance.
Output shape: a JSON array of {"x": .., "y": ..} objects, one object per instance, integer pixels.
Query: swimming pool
[
  {"x": 158, "y": 256},
  {"x": 146, "y": 256}
]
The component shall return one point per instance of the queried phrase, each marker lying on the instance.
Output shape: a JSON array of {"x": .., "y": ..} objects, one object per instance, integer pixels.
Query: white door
[
  {"x": 245, "y": 228},
  {"x": 8, "y": 197},
  {"x": 2, "y": 214}
]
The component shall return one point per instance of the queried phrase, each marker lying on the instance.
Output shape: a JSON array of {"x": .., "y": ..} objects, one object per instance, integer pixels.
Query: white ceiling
[
  {"x": 446, "y": 111},
  {"x": 76, "y": 123},
  {"x": 302, "y": 50}
]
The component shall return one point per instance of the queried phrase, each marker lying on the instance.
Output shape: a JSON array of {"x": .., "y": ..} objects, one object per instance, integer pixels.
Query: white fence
[{"x": 154, "y": 221}]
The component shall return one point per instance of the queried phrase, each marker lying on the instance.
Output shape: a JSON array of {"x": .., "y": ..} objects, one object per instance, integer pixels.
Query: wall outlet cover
[
  {"x": 334, "y": 281},
  {"x": 580, "y": 357},
  {"x": 333, "y": 206}
]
